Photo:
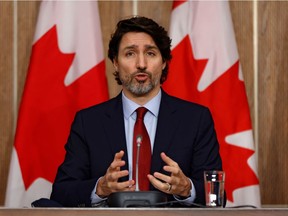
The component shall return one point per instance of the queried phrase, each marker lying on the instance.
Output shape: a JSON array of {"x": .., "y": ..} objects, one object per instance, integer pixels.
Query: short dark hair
[{"x": 141, "y": 24}]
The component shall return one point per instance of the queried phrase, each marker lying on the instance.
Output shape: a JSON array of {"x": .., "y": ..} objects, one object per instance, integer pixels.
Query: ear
[
  {"x": 164, "y": 65},
  {"x": 115, "y": 64}
]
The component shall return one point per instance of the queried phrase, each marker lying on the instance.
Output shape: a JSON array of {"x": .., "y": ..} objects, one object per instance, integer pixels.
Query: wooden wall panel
[
  {"x": 6, "y": 91},
  {"x": 27, "y": 18},
  {"x": 157, "y": 10},
  {"x": 273, "y": 117},
  {"x": 273, "y": 101}
]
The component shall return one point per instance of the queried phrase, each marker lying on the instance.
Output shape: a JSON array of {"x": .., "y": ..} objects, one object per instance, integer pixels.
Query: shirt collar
[{"x": 129, "y": 106}]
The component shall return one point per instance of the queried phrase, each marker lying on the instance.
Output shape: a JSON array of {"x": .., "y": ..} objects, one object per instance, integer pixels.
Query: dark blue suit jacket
[{"x": 185, "y": 132}]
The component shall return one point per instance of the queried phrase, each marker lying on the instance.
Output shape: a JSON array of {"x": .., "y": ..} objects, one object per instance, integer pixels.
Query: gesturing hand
[
  {"x": 177, "y": 183},
  {"x": 109, "y": 182}
]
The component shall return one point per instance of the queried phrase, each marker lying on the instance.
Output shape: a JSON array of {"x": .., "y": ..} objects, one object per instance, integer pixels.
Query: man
[{"x": 99, "y": 151}]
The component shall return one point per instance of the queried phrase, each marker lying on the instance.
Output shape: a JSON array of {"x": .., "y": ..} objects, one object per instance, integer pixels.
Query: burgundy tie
[{"x": 144, "y": 151}]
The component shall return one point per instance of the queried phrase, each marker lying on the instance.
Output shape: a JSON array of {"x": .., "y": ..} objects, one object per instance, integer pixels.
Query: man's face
[{"x": 139, "y": 63}]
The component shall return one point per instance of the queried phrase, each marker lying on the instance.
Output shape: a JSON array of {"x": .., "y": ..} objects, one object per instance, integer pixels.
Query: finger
[
  {"x": 114, "y": 176},
  {"x": 116, "y": 165},
  {"x": 119, "y": 155},
  {"x": 172, "y": 169},
  {"x": 129, "y": 188},
  {"x": 168, "y": 160},
  {"x": 127, "y": 185},
  {"x": 122, "y": 186},
  {"x": 117, "y": 162},
  {"x": 154, "y": 181},
  {"x": 162, "y": 177},
  {"x": 132, "y": 188},
  {"x": 162, "y": 186}
]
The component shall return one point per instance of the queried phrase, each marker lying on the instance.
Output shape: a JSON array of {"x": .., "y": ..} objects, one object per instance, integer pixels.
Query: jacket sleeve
[
  {"x": 206, "y": 154},
  {"x": 73, "y": 183}
]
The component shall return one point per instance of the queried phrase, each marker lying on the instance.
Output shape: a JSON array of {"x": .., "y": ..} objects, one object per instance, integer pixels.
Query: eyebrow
[{"x": 146, "y": 46}]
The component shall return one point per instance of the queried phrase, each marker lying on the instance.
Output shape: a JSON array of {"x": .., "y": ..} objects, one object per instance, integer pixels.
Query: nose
[{"x": 141, "y": 62}]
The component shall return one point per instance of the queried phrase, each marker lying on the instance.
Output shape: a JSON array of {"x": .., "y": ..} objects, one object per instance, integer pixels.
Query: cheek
[
  {"x": 158, "y": 69},
  {"x": 126, "y": 67},
  {"x": 125, "y": 72}
]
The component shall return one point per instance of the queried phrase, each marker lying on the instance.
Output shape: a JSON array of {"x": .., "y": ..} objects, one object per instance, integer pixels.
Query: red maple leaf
[
  {"x": 226, "y": 99},
  {"x": 177, "y": 3},
  {"x": 48, "y": 107}
]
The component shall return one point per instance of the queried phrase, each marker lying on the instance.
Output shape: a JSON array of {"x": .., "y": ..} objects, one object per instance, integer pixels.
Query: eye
[
  {"x": 151, "y": 53},
  {"x": 129, "y": 53}
]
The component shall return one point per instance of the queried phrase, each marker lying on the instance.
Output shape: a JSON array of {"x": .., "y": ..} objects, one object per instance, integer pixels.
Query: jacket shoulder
[
  {"x": 184, "y": 104},
  {"x": 107, "y": 106}
]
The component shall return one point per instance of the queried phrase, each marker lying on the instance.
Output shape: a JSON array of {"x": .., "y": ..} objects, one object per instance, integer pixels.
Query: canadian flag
[
  {"x": 205, "y": 69},
  {"x": 66, "y": 73}
]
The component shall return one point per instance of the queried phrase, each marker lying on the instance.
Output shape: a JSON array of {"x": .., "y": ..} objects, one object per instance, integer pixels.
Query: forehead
[{"x": 136, "y": 39}]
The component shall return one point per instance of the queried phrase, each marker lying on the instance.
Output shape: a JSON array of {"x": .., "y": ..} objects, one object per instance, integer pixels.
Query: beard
[{"x": 139, "y": 88}]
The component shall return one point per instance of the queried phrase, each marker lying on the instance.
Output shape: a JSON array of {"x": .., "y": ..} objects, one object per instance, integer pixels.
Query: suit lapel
[
  {"x": 166, "y": 125},
  {"x": 114, "y": 125}
]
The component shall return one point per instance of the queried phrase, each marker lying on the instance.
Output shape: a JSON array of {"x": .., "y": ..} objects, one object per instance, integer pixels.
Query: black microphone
[{"x": 136, "y": 198}]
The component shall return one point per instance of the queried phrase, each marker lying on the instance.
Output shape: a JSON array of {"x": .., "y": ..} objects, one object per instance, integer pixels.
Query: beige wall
[{"x": 266, "y": 78}]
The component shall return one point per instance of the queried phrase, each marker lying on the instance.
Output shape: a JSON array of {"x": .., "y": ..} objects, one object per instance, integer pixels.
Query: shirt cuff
[
  {"x": 95, "y": 199},
  {"x": 190, "y": 199}
]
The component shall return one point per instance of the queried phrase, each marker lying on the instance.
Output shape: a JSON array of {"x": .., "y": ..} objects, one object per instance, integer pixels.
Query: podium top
[{"x": 141, "y": 211}]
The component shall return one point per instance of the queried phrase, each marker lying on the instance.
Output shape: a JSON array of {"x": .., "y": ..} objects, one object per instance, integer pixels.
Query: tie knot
[{"x": 141, "y": 111}]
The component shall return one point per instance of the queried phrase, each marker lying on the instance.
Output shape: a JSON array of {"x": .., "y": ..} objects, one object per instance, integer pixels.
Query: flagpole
[
  {"x": 15, "y": 65},
  {"x": 135, "y": 7},
  {"x": 255, "y": 66}
]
